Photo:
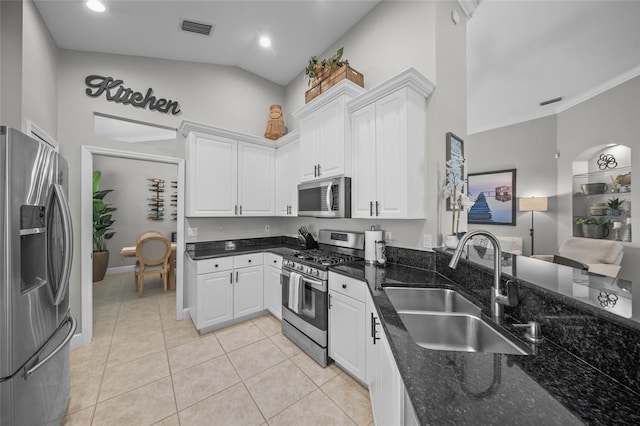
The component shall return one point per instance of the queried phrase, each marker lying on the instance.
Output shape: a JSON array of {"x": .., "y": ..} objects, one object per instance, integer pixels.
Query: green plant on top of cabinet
[
  {"x": 228, "y": 177},
  {"x": 389, "y": 138}
]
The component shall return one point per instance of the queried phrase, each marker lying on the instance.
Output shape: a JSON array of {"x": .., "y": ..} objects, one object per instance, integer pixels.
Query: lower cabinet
[
  {"x": 389, "y": 400},
  {"x": 272, "y": 284},
  {"x": 225, "y": 288}
]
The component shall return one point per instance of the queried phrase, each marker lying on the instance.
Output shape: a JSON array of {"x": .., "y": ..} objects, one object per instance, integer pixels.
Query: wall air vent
[
  {"x": 196, "y": 27},
  {"x": 551, "y": 101}
]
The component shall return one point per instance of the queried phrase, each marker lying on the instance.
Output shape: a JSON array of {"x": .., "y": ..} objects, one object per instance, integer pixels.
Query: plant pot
[
  {"x": 451, "y": 241},
  {"x": 100, "y": 263},
  {"x": 594, "y": 231}
]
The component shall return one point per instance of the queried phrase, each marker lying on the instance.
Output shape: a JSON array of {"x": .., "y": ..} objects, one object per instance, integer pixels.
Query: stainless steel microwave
[{"x": 329, "y": 198}]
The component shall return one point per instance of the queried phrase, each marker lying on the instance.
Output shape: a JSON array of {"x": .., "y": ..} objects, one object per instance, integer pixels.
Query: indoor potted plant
[
  {"x": 318, "y": 70},
  {"x": 614, "y": 207},
  {"x": 102, "y": 230},
  {"x": 593, "y": 227}
]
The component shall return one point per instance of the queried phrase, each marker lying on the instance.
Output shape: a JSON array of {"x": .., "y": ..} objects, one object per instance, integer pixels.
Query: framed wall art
[
  {"x": 494, "y": 197},
  {"x": 455, "y": 150}
]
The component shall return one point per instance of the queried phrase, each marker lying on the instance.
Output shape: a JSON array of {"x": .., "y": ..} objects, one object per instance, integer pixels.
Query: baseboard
[{"x": 120, "y": 269}]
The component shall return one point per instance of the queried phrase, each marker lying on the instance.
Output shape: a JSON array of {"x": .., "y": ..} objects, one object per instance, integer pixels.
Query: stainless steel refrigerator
[{"x": 35, "y": 263}]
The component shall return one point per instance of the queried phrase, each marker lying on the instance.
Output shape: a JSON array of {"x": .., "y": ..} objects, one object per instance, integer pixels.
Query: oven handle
[{"x": 320, "y": 285}]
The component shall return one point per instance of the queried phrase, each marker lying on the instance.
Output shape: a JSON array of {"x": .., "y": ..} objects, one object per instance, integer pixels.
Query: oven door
[{"x": 313, "y": 300}]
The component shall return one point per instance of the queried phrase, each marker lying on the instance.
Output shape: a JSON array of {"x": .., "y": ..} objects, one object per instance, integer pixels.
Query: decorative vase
[
  {"x": 100, "y": 263},
  {"x": 451, "y": 241}
]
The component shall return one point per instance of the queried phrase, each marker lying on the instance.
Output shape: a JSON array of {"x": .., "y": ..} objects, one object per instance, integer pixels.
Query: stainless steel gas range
[{"x": 305, "y": 289}]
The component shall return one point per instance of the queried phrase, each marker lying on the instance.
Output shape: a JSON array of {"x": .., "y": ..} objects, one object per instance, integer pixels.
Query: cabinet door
[
  {"x": 310, "y": 132},
  {"x": 331, "y": 140},
  {"x": 391, "y": 156},
  {"x": 288, "y": 171},
  {"x": 256, "y": 180},
  {"x": 212, "y": 176},
  {"x": 272, "y": 291},
  {"x": 347, "y": 333},
  {"x": 363, "y": 196},
  {"x": 372, "y": 344},
  {"x": 248, "y": 291},
  {"x": 214, "y": 298},
  {"x": 388, "y": 409}
]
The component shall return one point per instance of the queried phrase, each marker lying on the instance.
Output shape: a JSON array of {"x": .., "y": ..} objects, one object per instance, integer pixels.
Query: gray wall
[
  {"x": 610, "y": 117},
  {"x": 128, "y": 178},
  {"x": 529, "y": 148}
]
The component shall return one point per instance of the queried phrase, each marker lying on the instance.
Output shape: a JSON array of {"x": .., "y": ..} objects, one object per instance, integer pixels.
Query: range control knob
[
  {"x": 300, "y": 267},
  {"x": 316, "y": 273}
]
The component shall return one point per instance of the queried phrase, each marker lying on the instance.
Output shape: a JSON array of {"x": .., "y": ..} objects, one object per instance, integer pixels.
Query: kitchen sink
[
  {"x": 407, "y": 299},
  {"x": 456, "y": 332}
]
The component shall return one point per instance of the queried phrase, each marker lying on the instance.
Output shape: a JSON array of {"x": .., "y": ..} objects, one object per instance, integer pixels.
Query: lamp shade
[{"x": 533, "y": 204}]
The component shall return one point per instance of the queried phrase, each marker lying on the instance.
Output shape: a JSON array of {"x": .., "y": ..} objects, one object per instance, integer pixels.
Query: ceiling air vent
[
  {"x": 551, "y": 101},
  {"x": 196, "y": 27}
]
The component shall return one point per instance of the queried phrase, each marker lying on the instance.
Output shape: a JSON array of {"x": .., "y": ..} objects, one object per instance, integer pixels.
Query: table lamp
[{"x": 533, "y": 204}]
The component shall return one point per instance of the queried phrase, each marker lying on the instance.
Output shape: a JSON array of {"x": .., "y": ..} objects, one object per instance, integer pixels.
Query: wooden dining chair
[{"x": 153, "y": 252}]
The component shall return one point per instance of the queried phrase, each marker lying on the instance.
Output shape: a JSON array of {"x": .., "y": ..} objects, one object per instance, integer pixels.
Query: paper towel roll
[{"x": 370, "y": 238}]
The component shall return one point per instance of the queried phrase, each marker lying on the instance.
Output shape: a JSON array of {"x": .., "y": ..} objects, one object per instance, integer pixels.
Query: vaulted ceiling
[{"x": 520, "y": 53}]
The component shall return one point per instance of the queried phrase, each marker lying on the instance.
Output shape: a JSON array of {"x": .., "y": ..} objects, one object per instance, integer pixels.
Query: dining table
[{"x": 130, "y": 251}]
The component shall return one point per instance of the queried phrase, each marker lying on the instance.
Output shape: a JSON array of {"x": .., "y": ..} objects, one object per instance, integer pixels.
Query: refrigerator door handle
[
  {"x": 70, "y": 319},
  {"x": 65, "y": 213}
]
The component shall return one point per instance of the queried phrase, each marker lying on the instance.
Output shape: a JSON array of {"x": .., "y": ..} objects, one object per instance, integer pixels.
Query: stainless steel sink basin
[
  {"x": 456, "y": 332},
  {"x": 406, "y": 299}
]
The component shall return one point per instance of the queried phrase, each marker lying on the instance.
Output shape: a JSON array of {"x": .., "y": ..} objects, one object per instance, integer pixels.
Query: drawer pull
[
  {"x": 216, "y": 265},
  {"x": 344, "y": 286},
  {"x": 249, "y": 260}
]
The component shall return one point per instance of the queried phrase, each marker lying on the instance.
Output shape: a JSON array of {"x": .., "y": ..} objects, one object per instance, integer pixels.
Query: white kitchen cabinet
[
  {"x": 382, "y": 376},
  {"x": 347, "y": 324},
  {"x": 226, "y": 288},
  {"x": 287, "y": 178},
  {"x": 325, "y": 147},
  {"x": 272, "y": 284},
  {"x": 389, "y": 137},
  {"x": 227, "y": 177}
]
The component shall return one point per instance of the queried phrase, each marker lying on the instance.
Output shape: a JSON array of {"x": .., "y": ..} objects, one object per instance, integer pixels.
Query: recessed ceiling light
[
  {"x": 96, "y": 5},
  {"x": 265, "y": 41}
]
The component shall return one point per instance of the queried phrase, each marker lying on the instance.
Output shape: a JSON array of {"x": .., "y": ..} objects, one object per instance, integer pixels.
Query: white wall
[
  {"x": 529, "y": 148},
  {"x": 395, "y": 36},
  {"x": 11, "y": 23},
  {"x": 222, "y": 96},
  {"x": 128, "y": 179}
]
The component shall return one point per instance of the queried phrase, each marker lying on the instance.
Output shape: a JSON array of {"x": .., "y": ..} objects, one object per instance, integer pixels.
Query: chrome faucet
[{"x": 499, "y": 297}]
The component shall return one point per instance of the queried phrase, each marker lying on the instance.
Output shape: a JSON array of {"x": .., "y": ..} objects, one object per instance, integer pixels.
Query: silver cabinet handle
[
  {"x": 315, "y": 170},
  {"x": 377, "y": 209},
  {"x": 240, "y": 209},
  {"x": 235, "y": 210},
  {"x": 370, "y": 208},
  {"x": 319, "y": 173},
  {"x": 236, "y": 277},
  {"x": 373, "y": 329},
  {"x": 231, "y": 278}
]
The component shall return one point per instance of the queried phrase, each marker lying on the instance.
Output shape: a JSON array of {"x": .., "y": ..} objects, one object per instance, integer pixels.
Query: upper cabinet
[
  {"x": 288, "y": 175},
  {"x": 389, "y": 137},
  {"x": 325, "y": 147},
  {"x": 227, "y": 176}
]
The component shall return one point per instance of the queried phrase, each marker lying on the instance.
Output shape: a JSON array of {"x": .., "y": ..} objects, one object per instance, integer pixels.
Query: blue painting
[{"x": 493, "y": 195}]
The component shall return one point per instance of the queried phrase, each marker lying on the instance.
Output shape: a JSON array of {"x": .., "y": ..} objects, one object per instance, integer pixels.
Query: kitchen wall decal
[
  {"x": 115, "y": 91},
  {"x": 493, "y": 194}
]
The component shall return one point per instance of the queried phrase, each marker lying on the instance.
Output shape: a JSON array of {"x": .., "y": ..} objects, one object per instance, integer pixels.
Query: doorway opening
[{"x": 86, "y": 227}]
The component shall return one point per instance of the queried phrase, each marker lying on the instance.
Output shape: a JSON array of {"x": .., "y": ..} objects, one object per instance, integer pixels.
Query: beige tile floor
[{"x": 145, "y": 368}]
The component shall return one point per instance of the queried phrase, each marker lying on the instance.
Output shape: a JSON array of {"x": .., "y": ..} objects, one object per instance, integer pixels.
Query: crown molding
[
  {"x": 469, "y": 6},
  {"x": 345, "y": 88}
]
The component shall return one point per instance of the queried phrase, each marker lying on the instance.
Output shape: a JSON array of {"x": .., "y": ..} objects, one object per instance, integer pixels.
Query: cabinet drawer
[
  {"x": 217, "y": 264},
  {"x": 272, "y": 259},
  {"x": 347, "y": 286},
  {"x": 245, "y": 260}
]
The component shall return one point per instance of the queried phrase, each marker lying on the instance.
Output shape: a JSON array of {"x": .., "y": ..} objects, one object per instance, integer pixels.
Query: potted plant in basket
[
  {"x": 593, "y": 227},
  {"x": 318, "y": 70},
  {"x": 102, "y": 230},
  {"x": 453, "y": 188}
]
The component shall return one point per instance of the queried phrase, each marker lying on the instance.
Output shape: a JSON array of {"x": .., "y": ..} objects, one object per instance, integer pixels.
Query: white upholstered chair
[{"x": 600, "y": 256}]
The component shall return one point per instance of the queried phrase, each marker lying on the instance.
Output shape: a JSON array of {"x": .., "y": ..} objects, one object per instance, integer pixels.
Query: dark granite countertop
[
  {"x": 210, "y": 250},
  {"x": 463, "y": 388}
]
